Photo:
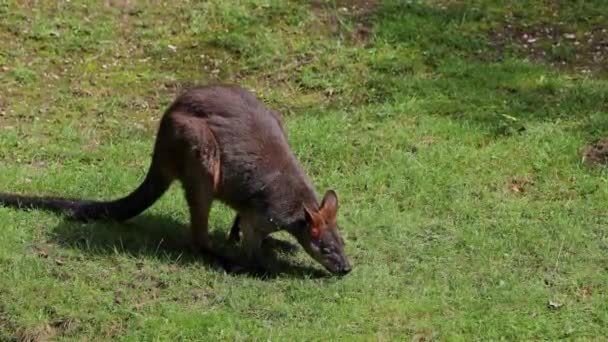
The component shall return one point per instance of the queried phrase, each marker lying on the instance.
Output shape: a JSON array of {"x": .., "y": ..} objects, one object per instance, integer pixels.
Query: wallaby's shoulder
[{"x": 224, "y": 100}]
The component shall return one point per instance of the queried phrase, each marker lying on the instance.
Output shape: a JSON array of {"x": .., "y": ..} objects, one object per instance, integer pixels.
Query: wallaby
[{"x": 222, "y": 143}]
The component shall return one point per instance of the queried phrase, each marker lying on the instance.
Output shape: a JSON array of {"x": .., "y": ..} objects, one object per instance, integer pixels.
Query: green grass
[{"x": 425, "y": 129}]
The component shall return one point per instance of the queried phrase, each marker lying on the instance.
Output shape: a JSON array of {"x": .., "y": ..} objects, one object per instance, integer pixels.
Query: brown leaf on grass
[
  {"x": 428, "y": 140},
  {"x": 362, "y": 35},
  {"x": 62, "y": 324},
  {"x": 160, "y": 284},
  {"x": 199, "y": 295},
  {"x": 518, "y": 185},
  {"x": 48, "y": 331},
  {"x": 42, "y": 251},
  {"x": 585, "y": 292},
  {"x": 59, "y": 262},
  {"x": 423, "y": 335}
]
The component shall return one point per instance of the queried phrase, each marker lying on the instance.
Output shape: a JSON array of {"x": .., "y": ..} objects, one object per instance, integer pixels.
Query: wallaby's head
[{"x": 321, "y": 238}]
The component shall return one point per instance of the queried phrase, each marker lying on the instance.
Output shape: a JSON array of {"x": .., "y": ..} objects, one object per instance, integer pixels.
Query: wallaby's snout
[
  {"x": 346, "y": 269},
  {"x": 328, "y": 250},
  {"x": 339, "y": 264},
  {"x": 321, "y": 239}
]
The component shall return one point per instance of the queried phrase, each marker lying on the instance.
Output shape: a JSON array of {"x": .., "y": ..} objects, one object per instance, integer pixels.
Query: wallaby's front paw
[
  {"x": 235, "y": 268},
  {"x": 280, "y": 245},
  {"x": 200, "y": 248},
  {"x": 253, "y": 269},
  {"x": 261, "y": 271}
]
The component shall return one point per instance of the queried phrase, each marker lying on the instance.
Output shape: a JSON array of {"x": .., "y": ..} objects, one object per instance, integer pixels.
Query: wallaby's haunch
[{"x": 222, "y": 143}]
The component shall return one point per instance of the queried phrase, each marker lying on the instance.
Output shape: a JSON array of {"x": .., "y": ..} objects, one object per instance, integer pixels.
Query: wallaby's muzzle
[
  {"x": 328, "y": 250},
  {"x": 345, "y": 270}
]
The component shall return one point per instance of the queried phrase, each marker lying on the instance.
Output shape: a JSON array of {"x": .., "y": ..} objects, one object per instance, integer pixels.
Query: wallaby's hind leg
[
  {"x": 199, "y": 195},
  {"x": 194, "y": 146},
  {"x": 198, "y": 187}
]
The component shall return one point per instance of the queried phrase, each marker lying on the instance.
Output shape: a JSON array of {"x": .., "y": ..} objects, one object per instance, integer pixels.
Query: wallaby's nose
[{"x": 345, "y": 270}]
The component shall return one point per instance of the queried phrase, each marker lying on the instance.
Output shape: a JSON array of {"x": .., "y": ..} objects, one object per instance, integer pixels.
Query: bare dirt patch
[
  {"x": 360, "y": 11},
  {"x": 597, "y": 153},
  {"x": 565, "y": 46}
]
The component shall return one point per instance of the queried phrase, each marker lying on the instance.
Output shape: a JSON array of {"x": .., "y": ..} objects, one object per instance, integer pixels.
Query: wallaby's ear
[
  {"x": 329, "y": 205},
  {"x": 314, "y": 223}
]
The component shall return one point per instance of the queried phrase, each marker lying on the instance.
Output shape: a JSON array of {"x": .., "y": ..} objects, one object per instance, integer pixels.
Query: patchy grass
[{"x": 453, "y": 141}]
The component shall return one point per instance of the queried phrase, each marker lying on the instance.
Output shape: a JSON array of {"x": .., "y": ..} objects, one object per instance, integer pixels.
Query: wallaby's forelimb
[
  {"x": 235, "y": 230},
  {"x": 269, "y": 243}
]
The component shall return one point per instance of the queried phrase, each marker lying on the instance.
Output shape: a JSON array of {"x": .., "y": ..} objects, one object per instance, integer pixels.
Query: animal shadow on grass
[{"x": 168, "y": 240}]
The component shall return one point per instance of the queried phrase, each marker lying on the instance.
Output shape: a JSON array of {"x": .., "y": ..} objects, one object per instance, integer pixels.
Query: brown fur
[{"x": 222, "y": 143}]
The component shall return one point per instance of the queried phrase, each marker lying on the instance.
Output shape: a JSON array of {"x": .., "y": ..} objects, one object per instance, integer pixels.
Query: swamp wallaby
[{"x": 222, "y": 143}]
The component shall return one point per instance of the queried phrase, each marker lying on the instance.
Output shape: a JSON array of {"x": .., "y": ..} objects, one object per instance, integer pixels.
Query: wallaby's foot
[
  {"x": 201, "y": 246},
  {"x": 259, "y": 265},
  {"x": 195, "y": 248},
  {"x": 281, "y": 245},
  {"x": 260, "y": 270},
  {"x": 218, "y": 260},
  {"x": 263, "y": 273},
  {"x": 255, "y": 269}
]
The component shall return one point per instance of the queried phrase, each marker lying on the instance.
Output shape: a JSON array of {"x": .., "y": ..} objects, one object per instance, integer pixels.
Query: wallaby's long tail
[{"x": 121, "y": 209}]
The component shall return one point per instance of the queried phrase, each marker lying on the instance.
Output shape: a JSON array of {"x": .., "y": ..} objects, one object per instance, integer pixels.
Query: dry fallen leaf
[
  {"x": 553, "y": 304},
  {"x": 516, "y": 188},
  {"x": 118, "y": 297},
  {"x": 42, "y": 251}
]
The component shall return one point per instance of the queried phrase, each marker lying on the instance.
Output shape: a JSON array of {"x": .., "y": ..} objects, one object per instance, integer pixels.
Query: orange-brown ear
[
  {"x": 314, "y": 222},
  {"x": 329, "y": 205}
]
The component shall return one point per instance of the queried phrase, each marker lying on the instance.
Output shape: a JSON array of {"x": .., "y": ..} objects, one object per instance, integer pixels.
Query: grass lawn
[{"x": 452, "y": 132}]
